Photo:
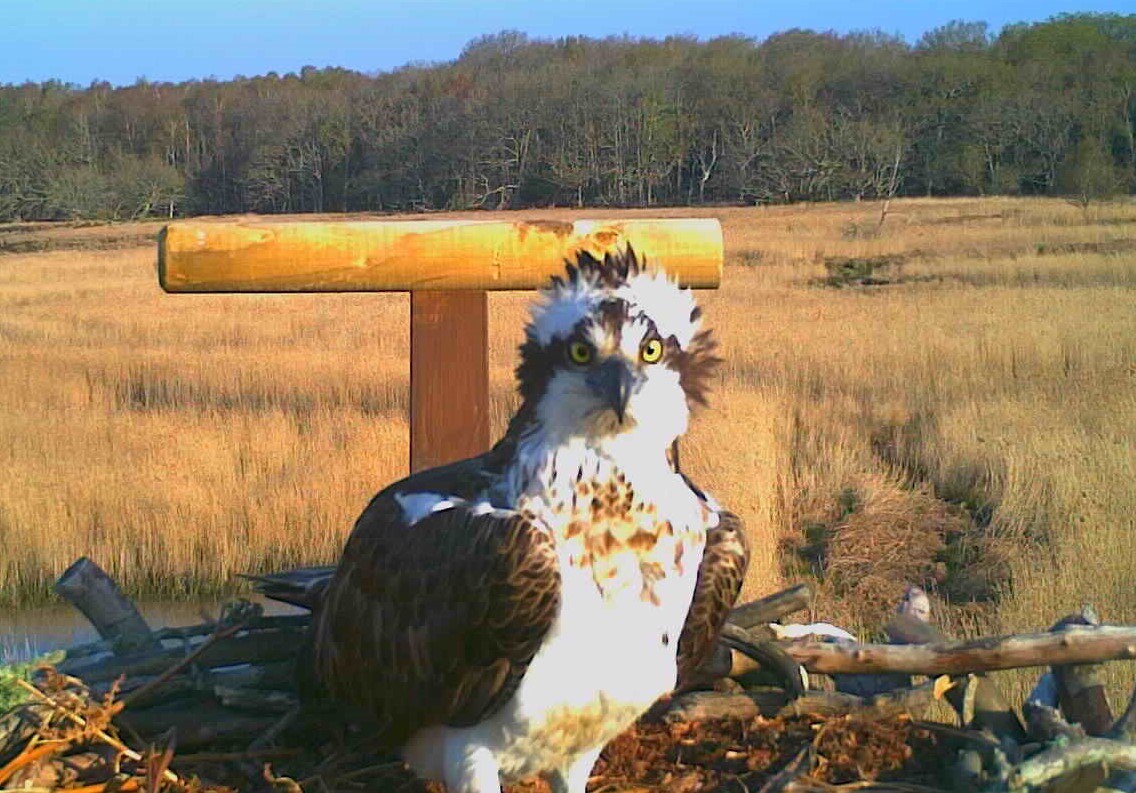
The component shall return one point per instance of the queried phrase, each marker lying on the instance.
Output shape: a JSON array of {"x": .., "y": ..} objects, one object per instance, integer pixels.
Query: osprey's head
[{"x": 615, "y": 349}]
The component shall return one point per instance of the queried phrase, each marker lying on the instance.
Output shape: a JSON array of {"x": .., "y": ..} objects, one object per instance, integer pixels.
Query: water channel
[{"x": 29, "y": 633}]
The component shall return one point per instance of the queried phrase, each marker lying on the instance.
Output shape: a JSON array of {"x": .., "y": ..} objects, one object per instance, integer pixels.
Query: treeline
[{"x": 1036, "y": 109}]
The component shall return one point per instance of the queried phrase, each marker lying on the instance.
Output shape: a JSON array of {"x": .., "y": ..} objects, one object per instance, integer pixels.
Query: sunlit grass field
[{"x": 947, "y": 399}]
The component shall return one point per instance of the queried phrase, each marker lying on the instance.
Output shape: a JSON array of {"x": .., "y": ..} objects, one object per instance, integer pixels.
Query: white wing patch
[
  {"x": 416, "y": 506},
  {"x": 822, "y": 629},
  {"x": 485, "y": 508}
]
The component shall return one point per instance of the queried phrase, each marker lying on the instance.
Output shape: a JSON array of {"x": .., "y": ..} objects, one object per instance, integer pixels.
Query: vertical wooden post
[{"x": 449, "y": 376}]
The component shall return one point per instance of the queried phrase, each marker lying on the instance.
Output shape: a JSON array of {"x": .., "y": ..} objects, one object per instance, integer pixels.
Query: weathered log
[
  {"x": 1072, "y": 645},
  {"x": 976, "y": 699},
  {"x": 204, "y": 725},
  {"x": 220, "y": 635},
  {"x": 768, "y": 655},
  {"x": 87, "y": 587},
  {"x": 1064, "y": 758},
  {"x": 772, "y": 607},
  {"x": 178, "y": 636},
  {"x": 703, "y": 705},
  {"x": 911, "y": 701},
  {"x": 267, "y": 676},
  {"x": 250, "y": 648},
  {"x": 256, "y": 701}
]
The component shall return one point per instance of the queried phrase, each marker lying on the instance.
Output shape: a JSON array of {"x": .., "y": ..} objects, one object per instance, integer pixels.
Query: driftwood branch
[
  {"x": 227, "y": 688},
  {"x": 157, "y": 682},
  {"x": 772, "y": 607},
  {"x": 976, "y": 699},
  {"x": 912, "y": 701},
  {"x": 1074, "y": 645},
  {"x": 1064, "y": 758},
  {"x": 766, "y": 654},
  {"x": 87, "y": 587},
  {"x": 252, "y": 647},
  {"x": 704, "y": 705}
]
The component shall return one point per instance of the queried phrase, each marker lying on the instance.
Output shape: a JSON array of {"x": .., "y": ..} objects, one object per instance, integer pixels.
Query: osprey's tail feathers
[{"x": 303, "y": 587}]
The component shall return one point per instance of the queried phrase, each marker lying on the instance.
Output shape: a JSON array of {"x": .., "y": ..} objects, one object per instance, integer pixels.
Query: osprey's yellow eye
[
  {"x": 651, "y": 351},
  {"x": 580, "y": 352}
]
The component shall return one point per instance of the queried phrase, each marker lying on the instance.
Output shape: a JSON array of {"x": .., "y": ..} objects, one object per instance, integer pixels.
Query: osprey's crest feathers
[{"x": 511, "y": 613}]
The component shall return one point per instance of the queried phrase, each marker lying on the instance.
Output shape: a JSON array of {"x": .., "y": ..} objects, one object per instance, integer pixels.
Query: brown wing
[
  {"x": 435, "y": 623},
  {"x": 719, "y": 581}
]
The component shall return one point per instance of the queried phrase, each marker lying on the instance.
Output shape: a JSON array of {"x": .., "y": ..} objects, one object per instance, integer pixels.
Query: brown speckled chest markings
[{"x": 603, "y": 525}]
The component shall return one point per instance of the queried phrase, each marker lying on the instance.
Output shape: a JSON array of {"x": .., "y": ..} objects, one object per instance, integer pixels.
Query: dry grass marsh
[{"x": 967, "y": 421}]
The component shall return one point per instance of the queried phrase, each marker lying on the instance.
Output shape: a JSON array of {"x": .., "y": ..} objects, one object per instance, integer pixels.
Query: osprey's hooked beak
[{"x": 611, "y": 381}]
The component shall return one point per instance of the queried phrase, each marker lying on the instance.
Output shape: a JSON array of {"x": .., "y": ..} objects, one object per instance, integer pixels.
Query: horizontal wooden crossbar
[
  {"x": 447, "y": 266},
  {"x": 408, "y": 255}
]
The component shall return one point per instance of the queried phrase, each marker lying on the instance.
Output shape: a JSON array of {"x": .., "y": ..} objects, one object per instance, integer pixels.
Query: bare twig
[
  {"x": 29, "y": 756},
  {"x": 102, "y": 735},
  {"x": 125, "y": 786},
  {"x": 270, "y": 735},
  {"x": 772, "y": 607},
  {"x": 230, "y": 757},
  {"x": 165, "y": 676},
  {"x": 801, "y": 764}
]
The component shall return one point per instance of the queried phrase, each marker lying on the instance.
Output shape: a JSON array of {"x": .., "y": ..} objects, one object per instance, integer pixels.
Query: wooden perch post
[{"x": 448, "y": 266}]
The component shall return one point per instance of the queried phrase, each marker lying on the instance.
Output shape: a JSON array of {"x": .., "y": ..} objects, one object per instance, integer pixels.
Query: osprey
[{"x": 511, "y": 613}]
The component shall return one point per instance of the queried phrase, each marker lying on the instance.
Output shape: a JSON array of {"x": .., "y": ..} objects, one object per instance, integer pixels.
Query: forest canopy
[{"x": 1042, "y": 108}]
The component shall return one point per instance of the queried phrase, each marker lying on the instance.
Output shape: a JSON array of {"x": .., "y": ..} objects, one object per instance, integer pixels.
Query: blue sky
[{"x": 121, "y": 40}]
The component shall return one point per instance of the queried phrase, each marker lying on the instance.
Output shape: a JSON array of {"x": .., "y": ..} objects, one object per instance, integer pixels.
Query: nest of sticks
[{"x": 212, "y": 707}]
